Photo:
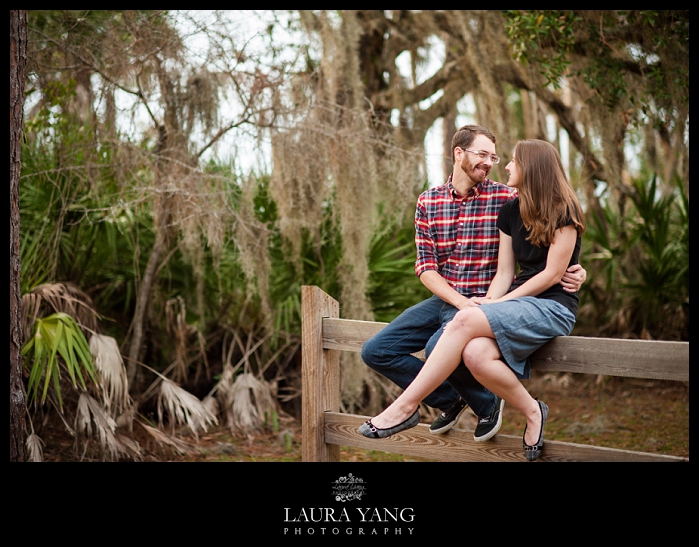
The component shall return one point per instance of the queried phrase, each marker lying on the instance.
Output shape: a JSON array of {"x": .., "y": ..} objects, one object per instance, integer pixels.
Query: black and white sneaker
[
  {"x": 488, "y": 426},
  {"x": 449, "y": 418}
]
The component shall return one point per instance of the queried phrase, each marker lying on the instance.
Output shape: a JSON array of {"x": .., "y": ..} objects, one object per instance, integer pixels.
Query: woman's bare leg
[
  {"x": 482, "y": 357},
  {"x": 467, "y": 324}
]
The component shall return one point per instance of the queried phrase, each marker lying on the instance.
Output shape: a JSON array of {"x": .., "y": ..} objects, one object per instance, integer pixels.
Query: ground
[{"x": 642, "y": 415}]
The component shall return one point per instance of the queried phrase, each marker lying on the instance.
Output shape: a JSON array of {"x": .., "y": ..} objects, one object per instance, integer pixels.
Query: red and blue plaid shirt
[{"x": 458, "y": 236}]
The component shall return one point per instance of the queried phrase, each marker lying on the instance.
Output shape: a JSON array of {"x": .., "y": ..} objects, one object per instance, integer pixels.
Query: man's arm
[
  {"x": 439, "y": 287},
  {"x": 427, "y": 260},
  {"x": 574, "y": 278}
]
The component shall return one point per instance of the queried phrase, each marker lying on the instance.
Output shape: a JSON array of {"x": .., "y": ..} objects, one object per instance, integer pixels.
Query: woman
[{"x": 540, "y": 232}]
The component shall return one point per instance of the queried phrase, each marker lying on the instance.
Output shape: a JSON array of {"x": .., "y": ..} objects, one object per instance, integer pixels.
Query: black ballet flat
[
  {"x": 370, "y": 430},
  {"x": 532, "y": 451}
]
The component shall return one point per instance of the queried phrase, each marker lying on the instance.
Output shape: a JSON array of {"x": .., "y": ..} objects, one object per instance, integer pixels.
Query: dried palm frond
[
  {"x": 58, "y": 298},
  {"x": 249, "y": 403},
  {"x": 183, "y": 408},
  {"x": 112, "y": 372},
  {"x": 130, "y": 446},
  {"x": 90, "y": 410},
  {"x": 211, "y": 404},
  {"x": 225, "y": 383},
  {"x": 173, "y": 442},
  {"x": 34, "y": 448},
  {"x": 126, "y": 419}
]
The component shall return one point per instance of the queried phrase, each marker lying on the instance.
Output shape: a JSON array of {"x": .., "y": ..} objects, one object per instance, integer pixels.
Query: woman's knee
[
  {"x": 477, "y": 353},
  {"x": 460, "y": 321}
]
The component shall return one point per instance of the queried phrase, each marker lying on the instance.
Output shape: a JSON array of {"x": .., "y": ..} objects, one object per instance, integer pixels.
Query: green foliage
[
  {"x": 544, "y": 38},
  {"x": 640, "y": 264},
  {"x": 320, "y": 256},
  {"x": 662, "y": 235},
  {"x": 57, "y": 335},
  {"x": 74, "y": 228},
  {"x": 610, "y": 50},
  {"x": 83, "y": 222},
  {"x": 393, "y": 285}
]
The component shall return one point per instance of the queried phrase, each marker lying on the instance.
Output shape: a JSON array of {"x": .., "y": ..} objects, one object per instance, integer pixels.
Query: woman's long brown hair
[{"x": 547, "y": 199}]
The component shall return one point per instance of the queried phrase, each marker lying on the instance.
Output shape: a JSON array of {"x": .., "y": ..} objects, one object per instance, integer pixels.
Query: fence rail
[{"x": 325, "y": 428}]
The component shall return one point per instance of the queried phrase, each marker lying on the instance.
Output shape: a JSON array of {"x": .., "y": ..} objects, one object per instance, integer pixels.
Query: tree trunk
[
  {"x": 139, "y": 319},
  {"x": 133, "y": 369},
  {"x": 448, "y": 131},
  {"x": 18, "y": 396}
]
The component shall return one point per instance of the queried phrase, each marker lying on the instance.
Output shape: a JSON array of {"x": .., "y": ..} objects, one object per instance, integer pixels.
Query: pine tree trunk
[{"x": 18, "y": 396}]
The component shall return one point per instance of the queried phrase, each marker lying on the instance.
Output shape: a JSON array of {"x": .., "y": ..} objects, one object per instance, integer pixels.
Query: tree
[
  {"x": 18, "y": 397},
  {"x": 147, "y": 183},
  {"x": 141, "y": 56},
  {"x": 145, "y": 214},
  {"x": 371, "y": 96}
]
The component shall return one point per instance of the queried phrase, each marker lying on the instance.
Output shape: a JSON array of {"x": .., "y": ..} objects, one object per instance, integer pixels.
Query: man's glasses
[{"x": 483, "y": 155}]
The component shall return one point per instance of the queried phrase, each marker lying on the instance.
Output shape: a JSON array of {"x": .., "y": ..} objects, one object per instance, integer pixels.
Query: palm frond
[
  {"x": 54, "y": 336},
  {"x": 164, "y": 439},
  {"x": 35, "y": 448},
  {"x": 183, "y": 408},
  {"x": 90, "y": 411},
  {"x": 130, "y": 447},
  {"x": 112, "y": 372},
  {"x": 249, "y": 403},
  {"x": 58, "y": 298},
  {"x": 211, "y": 404}
]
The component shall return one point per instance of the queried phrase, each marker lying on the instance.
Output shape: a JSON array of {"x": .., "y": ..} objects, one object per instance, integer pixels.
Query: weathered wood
[
  {"x": 325, "y": 429},
  {"x": 650, "y": 359},
  {"x": 654, "y": 359},
  {"x": 350, "y": 334},
  {"x": 458, "y": 445},
  {"x": 320, "y": 376}
]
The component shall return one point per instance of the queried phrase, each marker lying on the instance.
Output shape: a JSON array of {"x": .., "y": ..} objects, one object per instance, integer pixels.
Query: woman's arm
[
  {"x": 557, "y": 261},
  {"x": 574, "y": 278},
  {"x": 505, "y": 273}
]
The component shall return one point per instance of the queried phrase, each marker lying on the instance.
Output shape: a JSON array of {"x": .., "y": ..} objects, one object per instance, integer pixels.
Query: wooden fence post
[{"x": 320, "y": 375}]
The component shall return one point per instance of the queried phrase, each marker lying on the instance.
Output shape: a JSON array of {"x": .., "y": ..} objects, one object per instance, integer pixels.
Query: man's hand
[
  {"x": 574, "y": 278},
  {"x": 467, "y": 303}
]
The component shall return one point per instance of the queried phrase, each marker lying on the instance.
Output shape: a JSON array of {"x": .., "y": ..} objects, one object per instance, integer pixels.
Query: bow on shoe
[{"x": 368, "y": 429}]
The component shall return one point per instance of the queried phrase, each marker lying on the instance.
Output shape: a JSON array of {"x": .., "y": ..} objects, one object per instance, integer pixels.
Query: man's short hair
[{"x": 465, "y": 136}]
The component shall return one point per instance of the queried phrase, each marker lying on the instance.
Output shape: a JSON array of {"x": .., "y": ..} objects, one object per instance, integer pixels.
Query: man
[{"x": 457, "y": 239}]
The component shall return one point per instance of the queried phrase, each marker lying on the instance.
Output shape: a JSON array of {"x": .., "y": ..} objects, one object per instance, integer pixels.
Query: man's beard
[{"x": 477, "y": 173}]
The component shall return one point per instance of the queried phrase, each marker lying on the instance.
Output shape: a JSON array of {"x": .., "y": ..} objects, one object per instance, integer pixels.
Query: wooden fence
[{"x": 325, "y": 429}]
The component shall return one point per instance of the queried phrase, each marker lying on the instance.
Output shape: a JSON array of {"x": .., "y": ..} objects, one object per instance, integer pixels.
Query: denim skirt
[{"x": 523, "y": 325}]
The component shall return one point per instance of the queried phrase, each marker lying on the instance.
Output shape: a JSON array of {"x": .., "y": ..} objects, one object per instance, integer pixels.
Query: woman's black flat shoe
[
  {"x": 370, "y": 430},
  {"x": 532, "y": 451}
]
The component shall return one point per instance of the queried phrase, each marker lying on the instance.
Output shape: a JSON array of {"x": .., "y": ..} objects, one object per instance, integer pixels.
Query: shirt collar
[{"x": 473, "y": 192}]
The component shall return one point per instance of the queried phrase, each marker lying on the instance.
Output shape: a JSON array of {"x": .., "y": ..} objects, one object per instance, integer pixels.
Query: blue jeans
[{"x": 417, "y": 328}]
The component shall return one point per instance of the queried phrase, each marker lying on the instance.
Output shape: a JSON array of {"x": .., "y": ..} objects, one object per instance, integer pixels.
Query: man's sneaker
[
  {"x": 488, "y": 426},
  {"x": 448, "y": 419}
]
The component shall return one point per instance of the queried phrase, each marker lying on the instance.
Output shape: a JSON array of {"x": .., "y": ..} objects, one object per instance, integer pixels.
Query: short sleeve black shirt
[{"x": 532, "y": 259}]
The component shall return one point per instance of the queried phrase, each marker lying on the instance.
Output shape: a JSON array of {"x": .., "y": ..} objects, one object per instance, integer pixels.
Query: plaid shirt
[{"x": 458, "y": 236}]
